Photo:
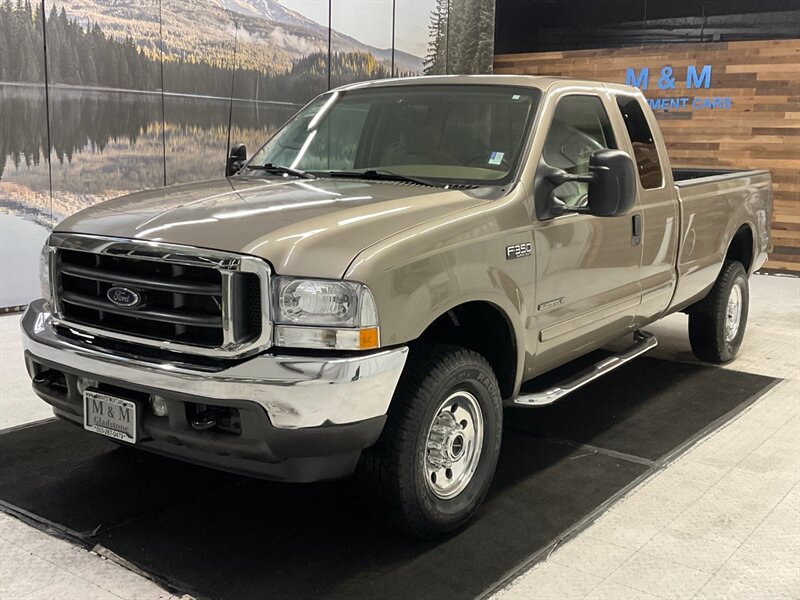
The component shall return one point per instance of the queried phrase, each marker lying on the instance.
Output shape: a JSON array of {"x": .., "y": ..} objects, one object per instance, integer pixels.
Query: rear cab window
[{"x": 645, "y": 152}]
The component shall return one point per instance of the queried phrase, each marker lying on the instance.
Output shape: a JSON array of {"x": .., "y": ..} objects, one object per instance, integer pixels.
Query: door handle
[{"x": 636, "y": 229}]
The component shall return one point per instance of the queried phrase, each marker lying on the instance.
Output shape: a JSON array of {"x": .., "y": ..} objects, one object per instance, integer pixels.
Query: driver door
[{"x": 587, "y": 267}]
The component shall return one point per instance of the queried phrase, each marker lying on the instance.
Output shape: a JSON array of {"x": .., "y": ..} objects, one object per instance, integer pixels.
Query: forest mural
[
  {"x": 461, "y": 37},
  {"x": 99, "y": 98}
]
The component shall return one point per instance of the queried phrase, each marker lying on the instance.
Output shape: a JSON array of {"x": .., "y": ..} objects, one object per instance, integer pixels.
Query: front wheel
[
  {"x": 718, "y": 321},
  {"x": 437, "y": 454}
]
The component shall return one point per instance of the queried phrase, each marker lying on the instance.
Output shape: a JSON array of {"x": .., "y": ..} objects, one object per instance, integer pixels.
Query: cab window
[
  {"x": 644, "y": 146},
  {"x": 580, "y": 127}
]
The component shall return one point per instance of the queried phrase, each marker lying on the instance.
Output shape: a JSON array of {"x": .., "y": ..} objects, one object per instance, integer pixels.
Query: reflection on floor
[{"x": 720, "y": 522}]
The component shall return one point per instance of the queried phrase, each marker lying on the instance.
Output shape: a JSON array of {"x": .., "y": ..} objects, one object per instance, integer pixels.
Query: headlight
[
  {"x": 317, "y": 313},
  {"x": 44, "y": 270}
]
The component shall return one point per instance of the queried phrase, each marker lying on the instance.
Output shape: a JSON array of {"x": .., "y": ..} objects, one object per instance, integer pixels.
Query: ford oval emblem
[{"x": 122, "y": 296}]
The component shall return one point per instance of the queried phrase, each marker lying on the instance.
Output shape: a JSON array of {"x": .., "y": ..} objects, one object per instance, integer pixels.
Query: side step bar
[{"x": 643, "y": 342}]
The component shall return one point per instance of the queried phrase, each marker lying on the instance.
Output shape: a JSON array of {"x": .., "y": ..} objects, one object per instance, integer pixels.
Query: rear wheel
[
  {"x": 437, "y": 454},
  {"x": 717, "y": 323}
]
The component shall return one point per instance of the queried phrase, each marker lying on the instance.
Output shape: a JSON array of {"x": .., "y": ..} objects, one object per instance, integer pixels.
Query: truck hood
[{"x": 302, "y": 227}]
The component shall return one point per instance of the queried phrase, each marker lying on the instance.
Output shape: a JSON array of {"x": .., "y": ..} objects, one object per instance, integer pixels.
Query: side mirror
[
  {"x": 612, "y": 190},
  {"x": 236, "y": 159},
  {"x": 611, "y": 181}
]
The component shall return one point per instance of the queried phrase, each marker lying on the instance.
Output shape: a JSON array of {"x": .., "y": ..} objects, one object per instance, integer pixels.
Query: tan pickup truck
[{"x": 370, "y": 289}]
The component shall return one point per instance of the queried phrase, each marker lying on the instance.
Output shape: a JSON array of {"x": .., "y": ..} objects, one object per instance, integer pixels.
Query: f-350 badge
[{"x": 519, "y": 250}]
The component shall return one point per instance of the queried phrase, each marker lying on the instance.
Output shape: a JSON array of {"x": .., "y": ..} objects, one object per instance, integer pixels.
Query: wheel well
[
  {"x": 741, "y": 247},
  {"x": 483, "y": 328}
]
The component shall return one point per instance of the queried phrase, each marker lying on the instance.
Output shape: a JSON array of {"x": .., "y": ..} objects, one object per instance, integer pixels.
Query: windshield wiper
[
  {"x": 379, "y": 175},
  {"x": 273, "y": 168}
]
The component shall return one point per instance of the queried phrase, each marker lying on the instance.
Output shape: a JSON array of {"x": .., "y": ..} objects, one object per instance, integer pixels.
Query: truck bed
[{"x": 713, "y": 203}]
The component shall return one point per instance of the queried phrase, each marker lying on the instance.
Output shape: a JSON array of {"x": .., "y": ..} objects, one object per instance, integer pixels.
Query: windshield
[{"x": 444, "y": 134}]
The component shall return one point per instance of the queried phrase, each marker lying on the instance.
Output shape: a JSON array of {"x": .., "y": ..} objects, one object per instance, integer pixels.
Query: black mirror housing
[
  {"x": 611, "y": 181},
  {"x": 612, "y": 188},
  {"x": 236, "y": 159}
]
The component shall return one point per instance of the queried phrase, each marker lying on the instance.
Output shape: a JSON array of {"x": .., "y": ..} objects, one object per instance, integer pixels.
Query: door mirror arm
[
  {"x": 548, "y": 178},
  {"x": 557, "y": 177}
]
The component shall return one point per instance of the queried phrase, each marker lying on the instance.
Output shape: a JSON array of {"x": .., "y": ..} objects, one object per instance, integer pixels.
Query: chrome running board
[{"x": 643, "y": 342}]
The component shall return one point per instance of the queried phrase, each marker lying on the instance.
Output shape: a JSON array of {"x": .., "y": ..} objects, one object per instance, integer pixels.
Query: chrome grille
[{"x": 188, "y": 299}]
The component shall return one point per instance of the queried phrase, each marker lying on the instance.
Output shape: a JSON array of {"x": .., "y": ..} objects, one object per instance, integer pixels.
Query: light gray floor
[{"x": 723, "y": 521}]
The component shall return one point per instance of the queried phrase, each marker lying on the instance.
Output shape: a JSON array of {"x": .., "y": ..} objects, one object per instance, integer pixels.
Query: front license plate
[{"x": 109, "y": 415}]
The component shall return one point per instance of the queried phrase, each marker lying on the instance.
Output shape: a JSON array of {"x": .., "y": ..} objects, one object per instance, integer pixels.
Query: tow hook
[
  {"x": 204, "y": 420},
  {"x": 203, "y": 417}
]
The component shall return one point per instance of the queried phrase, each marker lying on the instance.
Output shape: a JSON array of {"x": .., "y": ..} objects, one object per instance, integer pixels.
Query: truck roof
[{"x": 541, "y": 82}]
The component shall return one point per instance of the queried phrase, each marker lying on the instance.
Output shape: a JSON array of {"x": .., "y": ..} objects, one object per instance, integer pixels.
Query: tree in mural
[
  {"x": 21, "y": 43},
  {"x": 461, "y": 37},
  {"x": 436, "y": 59}
]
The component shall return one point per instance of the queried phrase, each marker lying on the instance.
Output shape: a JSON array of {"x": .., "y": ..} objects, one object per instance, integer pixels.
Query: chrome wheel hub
[
  {"x": 733, "y": 313},
  {"x": 453, "y": 445}
]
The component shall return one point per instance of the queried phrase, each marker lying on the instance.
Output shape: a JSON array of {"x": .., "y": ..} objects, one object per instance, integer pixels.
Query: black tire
[
  {"x": 396, "y": 465},
  {"x": 707, "y": 318}
]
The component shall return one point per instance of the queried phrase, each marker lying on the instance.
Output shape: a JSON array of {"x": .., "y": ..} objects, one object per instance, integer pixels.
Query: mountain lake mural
[{"x": 144, "y": 93}]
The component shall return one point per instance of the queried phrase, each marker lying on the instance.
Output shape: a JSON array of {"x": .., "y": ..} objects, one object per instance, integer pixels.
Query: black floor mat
[
  {"x": 82, "y": 482},
  {"x": 223, "y": 536},
  {"x": 645, "y": 409}
]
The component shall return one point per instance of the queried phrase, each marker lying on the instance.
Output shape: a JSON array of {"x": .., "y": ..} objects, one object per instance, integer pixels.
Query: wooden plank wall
[{"x": 760, "y": 130}]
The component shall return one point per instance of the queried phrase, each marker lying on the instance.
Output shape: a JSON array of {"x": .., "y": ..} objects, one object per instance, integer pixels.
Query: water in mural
[
  {"x": 238, "y": 67},
  {"x": 112, "y": 145}
]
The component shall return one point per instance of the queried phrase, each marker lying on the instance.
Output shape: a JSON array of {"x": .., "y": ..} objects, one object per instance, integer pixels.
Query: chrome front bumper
[{"x": 295, "y": 391}]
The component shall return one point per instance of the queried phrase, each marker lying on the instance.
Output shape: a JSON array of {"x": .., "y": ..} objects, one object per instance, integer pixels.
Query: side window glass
[
  {"x": 580, "y": 126},
  {"x": 644, "y": 147}
]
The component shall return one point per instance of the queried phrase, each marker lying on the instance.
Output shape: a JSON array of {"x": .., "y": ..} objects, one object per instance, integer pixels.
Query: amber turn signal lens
[{"x": 368, "y": 338}]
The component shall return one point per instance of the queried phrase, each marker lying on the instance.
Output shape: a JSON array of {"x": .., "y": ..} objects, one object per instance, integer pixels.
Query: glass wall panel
[
  {"x": 25, "y": 204},
  {"x": 470, "y": 36},
  {"x": 104, "y": 101},
  {"x": 198, "y": 47},
  {"x": 416, "y": 42},
  {"x": 282, "y": 62},
  {"x": 361, "y": 40}
]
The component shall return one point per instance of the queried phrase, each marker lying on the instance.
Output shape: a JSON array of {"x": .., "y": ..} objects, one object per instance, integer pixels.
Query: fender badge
[
  {"x": 551, "y": 303},
  {"x": 519, "y": 250}
]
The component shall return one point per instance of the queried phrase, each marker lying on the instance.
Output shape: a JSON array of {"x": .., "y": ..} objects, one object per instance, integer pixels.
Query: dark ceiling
[{"x": 544, "y": 25}]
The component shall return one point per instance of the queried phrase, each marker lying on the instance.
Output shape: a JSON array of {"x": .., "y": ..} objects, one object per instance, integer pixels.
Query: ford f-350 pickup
[{"x": 370, "y": 289}]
